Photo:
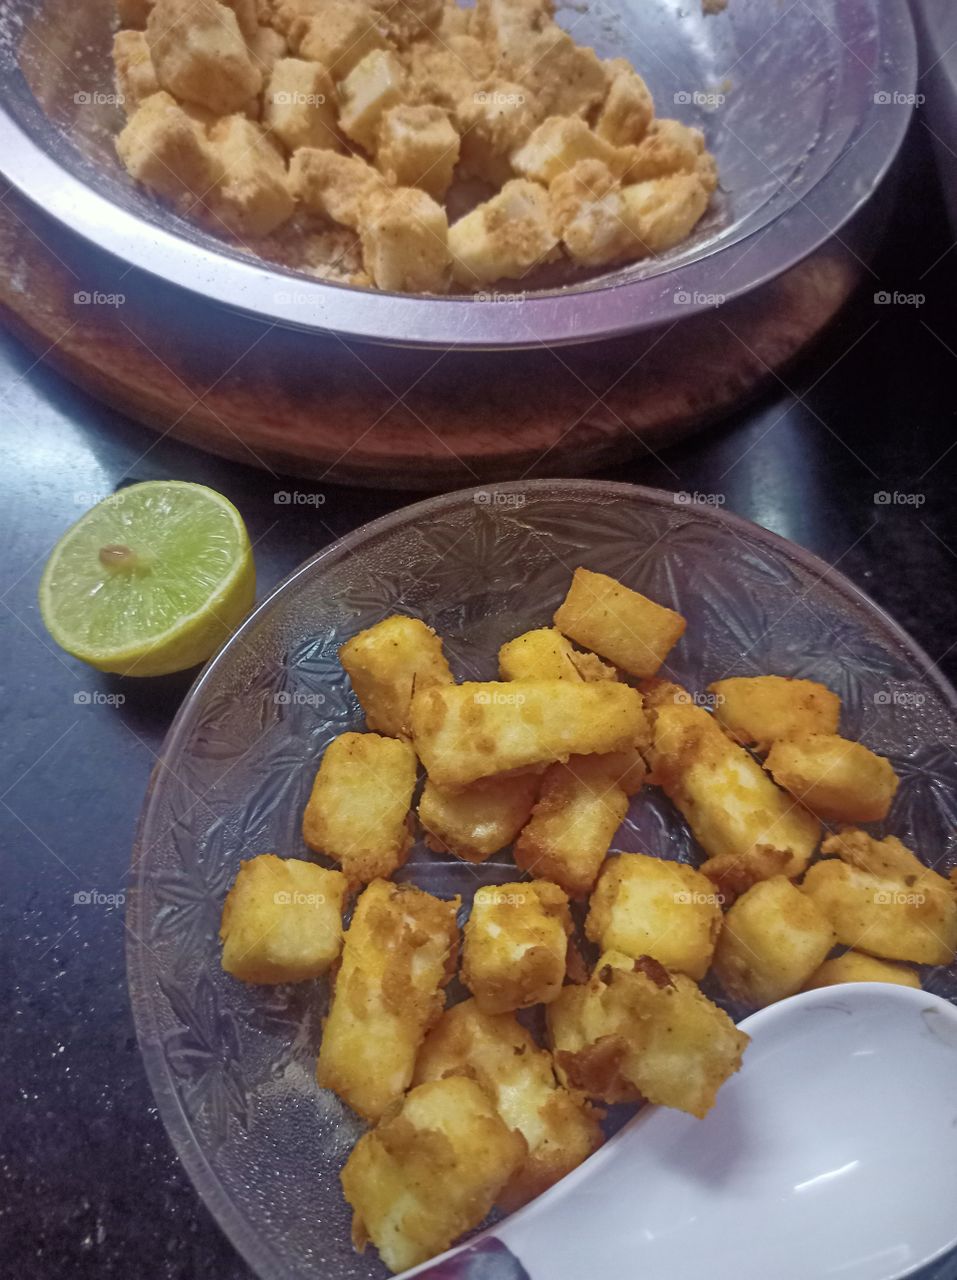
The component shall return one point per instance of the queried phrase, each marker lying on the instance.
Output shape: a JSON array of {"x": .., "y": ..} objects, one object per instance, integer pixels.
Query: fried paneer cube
[
  {"x": 619, "y": 624},
  {"x": 373, "y": 85},
  {"x": 340, "y": 36},
  {"x": 645, "y": 906},
  {"x": 387, "y": 663},
  {"x": 771, "y": 943},
  {"x": 282, "y": 920},
  {"x": 166, "y": 149},
  {"x": 358, "y": 812},
  {"x": 759, "y": 710},
  {"x": 558, "y": 1125},
  {"x": 135, "y": 76},
  {"x": 839, "y": 780},
  {"x": 398, "y": 956},
  {"x": 636, "y": 1031},
  {"x": 515, "y": 945},
  {"x": 429, "y": 1171},
  {"x": 662, "y": 212},
  {"x": 505, "y": 237},
  {"x": 405, "y": 241},
  {"x": 334, "y": 186},
  {"x": 418, "y": 146},
  {"x": 476, "y": 821},
  {"x": 580, "y": 807},
  {"x": 200, "y": 54},
  {"x": 470, "y": 731},
  {"x": 628, "y": 108},
  {"x": 299, "y": 105},
  {"x": 559, "y": 143},
  {"x": 252, "y": 197},
  {"x": 854, "y": 966},
  {"x": 736, "y": 813},
  {"x": 881, "y": 900},
  {"x": 493, "y": 120},
  {"x": 545, "y": 654}
]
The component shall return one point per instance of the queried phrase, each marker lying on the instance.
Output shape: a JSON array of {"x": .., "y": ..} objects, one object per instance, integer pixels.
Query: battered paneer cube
[
  {"x": 334, "y": 186},
  {"x": 636, "y": 1031},
  {"x": 664, "y": 211},
  {"x": 619, "y": 624},
  {"x": 299, "y": 105},
  {"x": 444, "y": 72},
  {"x": 200, "y": 54},
  {"x": 342, "y": 35},
  {"x": 469, "y": 731},
  {"x": 839, "y": 780},
  {"x": 252, "y": 196},
  {"x": 628, "y": 109},
  {"x": 516, "y": 940},
  {"x": 493, "y": 119},
  {"x": 505, "y": 237},
  {"x": 587, "y": 208},
  {"x": 886, "y": 911},
  {"x": 373, "y": 85},
  {"x": 758, "y": 710},
  {"x": 167, "y": 150},
  {"x": 557, "y": 145},
  {"x": 564, "y": 78},
  {"x": 418, "y": 146},
  {"x": 667, "y": 148},
  {"x": 476, "y": 821},
  {"x": 580, "y": 807},
  {"x": 559, "y": 1127},
  {"x": 742, "y": 821},
  {"x": 854, "y": 966},
  {"x": 358, "y": 812},
  {"x": 398, "y": 957},
  {"x": 282, "y": 920},
  {"x": 645, "y": 906},
  {"x": 771, "y": 943},
  {"x": 407, "y": 21},
  {"x": 405, "y": 241},
  {"x": 387, "y": 663},
  {"x": 506, "y": 26},
  {"x": 266, "y": 47},
  {"x": 429, "y": 1171},
  {"x": 135, "y": 76}
]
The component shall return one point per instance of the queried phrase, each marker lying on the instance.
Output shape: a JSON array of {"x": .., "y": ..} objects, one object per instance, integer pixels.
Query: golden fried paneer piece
[
  {"x": 429, "y": 1171},
  {"x": 758, "y": 710},
  {"x": 644, "y": 906},
  {"x": 334, "y": 186},
  {"x": 580, "y": 807},
  {"x": 135, "y": 76},
  {"x": 252, "y": 197},
  {"x": 299, "y": 105},
  {"x": 888, "y": 857},
  {"x": 637, "y": 1031},
  {"x": 418, "y": 146},
  {"x": 516, "y": 940},
  {"x": 405, "y": 241},
  {"x": 558, "y": 1125},
  {"x": 166, "y": 149},
  {"x": 544, "y": 654},
  {"x": 854, "y": 966},
  {"x": 912, "y": 919},
  {"x": 476, "y": 821},
  {"x": 200, "y": 54},
  {"x": 358, "y": 812},
  {"x": 732, "y": 806},
  {"x": 662, "y": 212},
  {"x": 470, "y": 731},
  {"x": 399, "y": 954},
  {"x": 282, "y": 920},
  {"x": 835, "y": 778},
  {"x": 619, "y": 624},
  {"x": 734, "y": 873},
  {"x": 628, "y": 108},
  {"x": 339, "y": 36},
  {"x": 771, "y": 943}
]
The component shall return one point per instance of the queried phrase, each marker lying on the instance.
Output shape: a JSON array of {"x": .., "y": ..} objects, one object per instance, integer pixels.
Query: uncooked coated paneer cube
[
  {"x": 504, "y": 237},
  {"x": 252, "y": 197},
  {"x": 635, "y": 1031},
  {"x": 663, "y": 212},
  {"x": 516, "y": 940},
  {"x": 163, "y": 147},
  {"x": 282, "y": 920},
  {"x": 408, "y": 21},
  {"x": 358, "y": 812},
  {"x": 135, "y": 76},
  {"x": 619, "y": 624},
  {"x": 398, "y": 956},
  {"x": 470, "y": 731},
  {"x": 341, "y": 36},
  {"x": 387, "y": 663},
  {"x": 668, "y": 148},
  {"x": 266, "y": 46},
  {"x": 418, "y": 146},
  {"x": 758, "y": 710},
  {"x": 493, "y": 120},
  {"x": 405, "y": 241},
  {"x": 771, "y": 943},
  {"x": 839, "y": 780},
  {"x": 628, "y": 108},
  {"x": 299, "y": 105},
  {"x": 372, "y": 86},
  {"x": 580, "y": 807},
  {"x": 854, "y": 966},
  {"x": 558, "y": 144},
  {"x": 476, "y": 821},
  {"x": 559, "y": 1127},
  {"x": 562, "y": 77},
  {"x": 644, "y": 906},
  {"x": 334, "y": 186},
  {"x": 200, "y": 54},
  {"x": 429, "y": 1172},
  {"x": 587, "y": 211}
]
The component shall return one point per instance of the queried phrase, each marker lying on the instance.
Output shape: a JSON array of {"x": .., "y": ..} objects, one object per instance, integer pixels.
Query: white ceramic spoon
[{"x": 832, "y": 1153}]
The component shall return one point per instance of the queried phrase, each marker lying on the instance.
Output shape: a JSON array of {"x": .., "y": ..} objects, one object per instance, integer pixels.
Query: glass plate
[{"x": 232, "y": 1066}]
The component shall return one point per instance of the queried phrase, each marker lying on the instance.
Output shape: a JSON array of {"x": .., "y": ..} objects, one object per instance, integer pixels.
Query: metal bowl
[{"x": 803, "y": 104}]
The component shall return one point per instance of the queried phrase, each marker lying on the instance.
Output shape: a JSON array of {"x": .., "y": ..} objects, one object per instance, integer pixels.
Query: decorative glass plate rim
[{"x": 253, "y": 1249}]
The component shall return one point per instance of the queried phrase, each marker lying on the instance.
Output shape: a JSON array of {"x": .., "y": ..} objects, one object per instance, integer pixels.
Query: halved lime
[{"x": 151, "y": 580}]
